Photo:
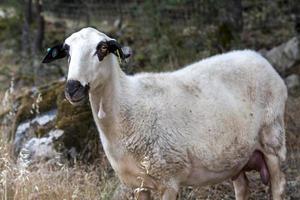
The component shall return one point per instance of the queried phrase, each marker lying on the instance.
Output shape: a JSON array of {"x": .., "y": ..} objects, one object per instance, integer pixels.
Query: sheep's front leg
[
  {"x": 170, "y": 194},
  {"x": 123, "y": 192}
]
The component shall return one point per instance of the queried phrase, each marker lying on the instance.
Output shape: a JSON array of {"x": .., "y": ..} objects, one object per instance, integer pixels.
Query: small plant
[
  {"x": 8, "y": 110},
  {"x": 35, "y": 108}
]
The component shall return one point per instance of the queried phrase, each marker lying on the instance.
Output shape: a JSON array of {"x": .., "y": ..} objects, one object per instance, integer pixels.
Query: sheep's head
[{"x": 88, "y": 52}]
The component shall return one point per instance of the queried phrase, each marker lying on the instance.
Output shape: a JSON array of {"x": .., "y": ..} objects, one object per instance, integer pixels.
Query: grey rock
[
  {"x": 292, "y": 81},
  {"x": 293, "y": 84},
  {"x": 40, "y": 149},
  {"x": 284, "y": 56},
  {"x": 25, "y": 129}
]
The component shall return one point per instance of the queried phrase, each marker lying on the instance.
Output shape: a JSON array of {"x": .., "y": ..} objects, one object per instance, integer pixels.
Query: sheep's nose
[{"x": 72, "y": 86}]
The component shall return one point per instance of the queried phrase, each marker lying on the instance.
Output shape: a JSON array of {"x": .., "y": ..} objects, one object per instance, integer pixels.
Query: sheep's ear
[
  {"x": 115, "y": 48},
  {"x": 54, "y": 53}
]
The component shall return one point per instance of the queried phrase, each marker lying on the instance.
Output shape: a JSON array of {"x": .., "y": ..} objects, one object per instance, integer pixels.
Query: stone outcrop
[
  {"x": 285, "y": 57},
  {"x": 39, "y": 115}
]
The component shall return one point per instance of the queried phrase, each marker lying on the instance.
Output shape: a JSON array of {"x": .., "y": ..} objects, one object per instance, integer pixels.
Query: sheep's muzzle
[{"x": 75, "y": 92}]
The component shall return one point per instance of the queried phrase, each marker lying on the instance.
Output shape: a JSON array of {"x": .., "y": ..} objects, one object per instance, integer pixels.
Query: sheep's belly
[{"x": 201, "y": 176}]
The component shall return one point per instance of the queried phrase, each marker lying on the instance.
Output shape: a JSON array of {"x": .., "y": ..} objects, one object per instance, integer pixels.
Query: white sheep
[{"x": 205, "y": 123}]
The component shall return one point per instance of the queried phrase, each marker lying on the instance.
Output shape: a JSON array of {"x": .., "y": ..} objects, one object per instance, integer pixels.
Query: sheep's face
[{"x": 88, "y": 52}]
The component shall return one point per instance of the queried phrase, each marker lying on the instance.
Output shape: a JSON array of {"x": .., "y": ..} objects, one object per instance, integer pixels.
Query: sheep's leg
[
  {"x": 277, "y": 177},
  {"x": 275, "y": 152},
  {"x": 143, "y": 195},
  {"x": 122, "y": 192},
  {"x": 241, "y": 187},
  {"x": 170, "y": 194}
]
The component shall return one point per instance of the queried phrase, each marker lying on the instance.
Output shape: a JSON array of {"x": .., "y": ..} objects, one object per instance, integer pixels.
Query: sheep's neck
[{"x": 105, "y": 102}]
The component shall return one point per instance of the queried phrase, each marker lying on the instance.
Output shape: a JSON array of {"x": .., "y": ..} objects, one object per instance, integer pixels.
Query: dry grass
[
  {"x": 44, "y": 181},
  {"x": 58, "y": 182}
]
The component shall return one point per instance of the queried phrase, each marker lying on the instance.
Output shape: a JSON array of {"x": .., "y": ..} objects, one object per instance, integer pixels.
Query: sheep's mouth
[
  {"x": 78, "y": 101},
  {"x": 79, "y": 96}
]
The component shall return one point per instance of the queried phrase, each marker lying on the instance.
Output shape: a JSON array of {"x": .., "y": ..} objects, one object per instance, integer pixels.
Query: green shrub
[{"x": 11, "y": 29}]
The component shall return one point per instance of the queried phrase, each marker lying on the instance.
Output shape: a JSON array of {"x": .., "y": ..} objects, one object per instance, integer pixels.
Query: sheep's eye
[
  {"x": 66, "y": 48},
  {"x": 103, "y": 49}
]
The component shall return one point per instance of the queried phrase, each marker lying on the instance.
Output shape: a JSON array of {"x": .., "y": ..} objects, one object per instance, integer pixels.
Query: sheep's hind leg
[
  {"x": 277, "y": 177},
  {"x": 122, "y": 192},
  {"x": 273, "y": 141},
  {"x": 169, "y": 194},
  {"x": 241, "y": 187},
  {"x": 143, "y": 195}
]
